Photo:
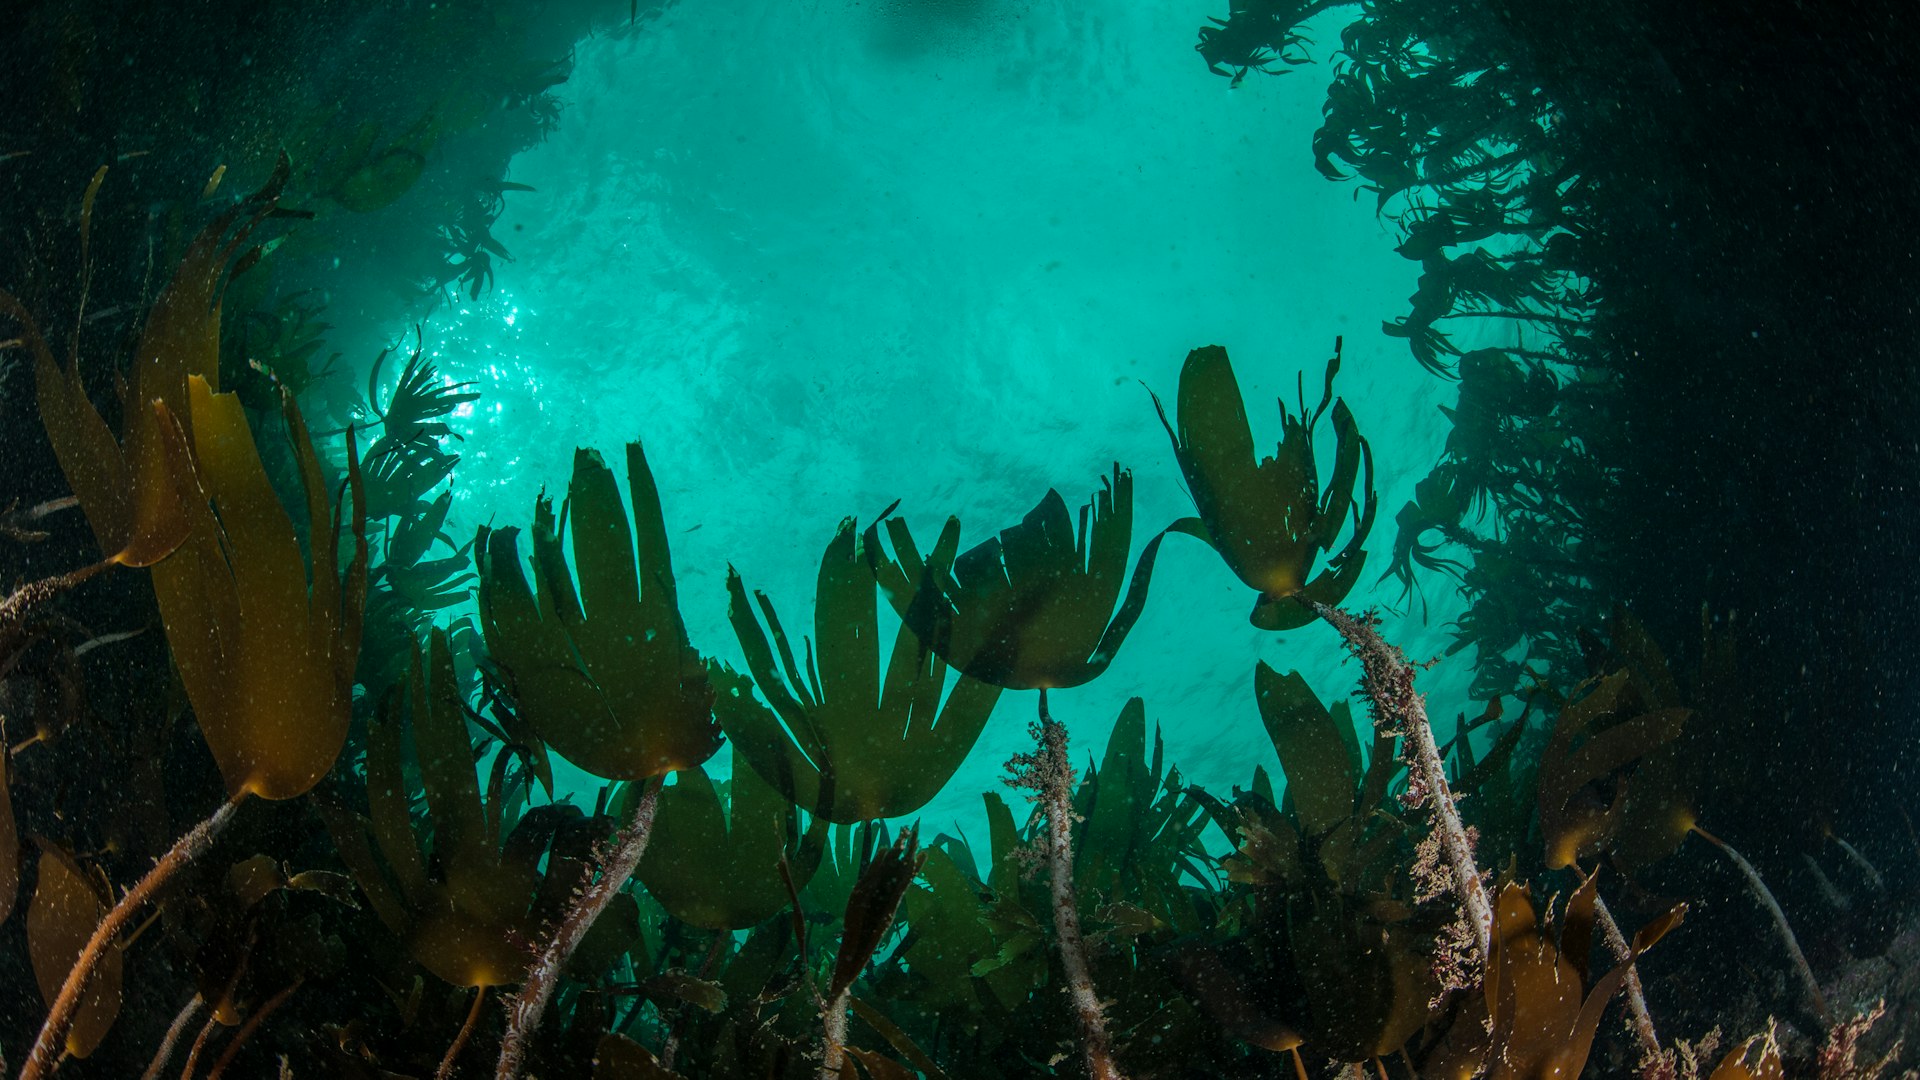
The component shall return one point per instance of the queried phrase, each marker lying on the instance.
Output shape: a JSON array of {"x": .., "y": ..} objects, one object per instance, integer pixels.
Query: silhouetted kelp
[
  {"x": 778, "y": 928},
  {"x": 1349, "y": 919}
]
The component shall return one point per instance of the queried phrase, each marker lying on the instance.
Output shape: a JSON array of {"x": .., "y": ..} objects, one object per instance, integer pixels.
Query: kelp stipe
[{"x": 1387, "y": 682}]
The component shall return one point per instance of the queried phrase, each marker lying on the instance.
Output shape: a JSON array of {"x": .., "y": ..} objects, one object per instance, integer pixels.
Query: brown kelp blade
[
  {"x": 128, "y": 486},
  {"x": 870, "y": 910},
  {"x": 267, "y": 660},
  {"x": 1266, "y": 517},
  {"x": 620, "y": 1058},
  {"x": 1322, "y": 773},
  {"x": 1594, "y": 738},
  {"x": 602, "y": 673},
  {"x": 463, "y": 907},
  {"x": 847, "y": 739},
  {"x": 1030, "y": 608},
  {"x": 717, "y": 866},
  {"x": 1543, "y": 1015},
  {"x": 1758, "y": 1058},
  {"x": 66, "y": 908}
]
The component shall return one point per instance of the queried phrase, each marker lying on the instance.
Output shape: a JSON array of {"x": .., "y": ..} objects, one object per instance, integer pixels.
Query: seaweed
[
  {"x": 1266, "y": 516},
  {"x": 758, "y": 916},
  {"x": 1033, "y": 607},
  {"x": 644, "y": 705},
  {"x": 844, "y": 738},
  {"x": 715, "y": 866},
  {"x": 613, "y": 685},
  {"x": 465, "y": 906}
]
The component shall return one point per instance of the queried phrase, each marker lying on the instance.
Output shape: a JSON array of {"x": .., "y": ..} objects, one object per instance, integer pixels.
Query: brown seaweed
[
  {"x": 847, "y": 738},
  {"x": 1266, "y": 516}
]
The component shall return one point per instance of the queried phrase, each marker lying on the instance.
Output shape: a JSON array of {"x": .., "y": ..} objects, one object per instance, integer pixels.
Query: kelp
[
  {"x": 1329, "y": 932},
  {"x": 1047, "y": 775},
  {"x": 67, "y": 904},
  {"x": 406, "y": 463},
  {"x": 1266, "y": 516},
  {"x": 1543, "y": 1007},
  {"x": 869, "y": 916},
  {"x": 1139, "y": 845},
  {"x": 1330, "y": 961},
  {"x": 1594, "y": 739},
  {"x": 264, "y": 654},
  {"x": 266, "y": 647},
  {"x": 716, "y": 865},
  {"x": 128, "y": 485},
  {"x": 845, "y": 738},
  {"x": 426, "y": 584},
  {"x": 1033, "y": 607},
  {"x": 603, "y": 672},
  {"x": 464, "y": 907}
]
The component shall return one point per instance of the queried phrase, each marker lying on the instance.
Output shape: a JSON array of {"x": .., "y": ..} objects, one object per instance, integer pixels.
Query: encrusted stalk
[
  {"x": 671, "y": 1048},
  {"x": 1387, "y": 680},
  {"x": 53, "y": 1034},
  {"x": 17, "y": 604},
  {"x": 174, "y": 1031},
  {"x": 833, "y": 1036},
  {"x": 1655, "y": 1063},
  {"x": 1050, "y": 775},
  {"x": 527, "y": 1007}
]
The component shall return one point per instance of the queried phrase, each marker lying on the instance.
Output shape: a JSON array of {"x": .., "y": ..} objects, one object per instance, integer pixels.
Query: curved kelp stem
[
  {"x": 174, "y": 1030},
  {"x": 1810, "y": 986},
  {"x": 1049, "y": 774},
  {"x": 18, "y": 604},
  {"x": 526, "y": 1008},
  {"x": 833, "y": 1038},
  {"x": 1655, "y": 1064},
  {"x": 445, "y": 1072},
  {"x": 53, "y": 1034},
  {"x": 1387, "y": 680},
  {"x": 252, "y": 1025}
]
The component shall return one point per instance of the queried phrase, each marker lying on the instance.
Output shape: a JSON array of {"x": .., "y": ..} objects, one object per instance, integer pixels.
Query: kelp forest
[{"x": 317, "y": 764}]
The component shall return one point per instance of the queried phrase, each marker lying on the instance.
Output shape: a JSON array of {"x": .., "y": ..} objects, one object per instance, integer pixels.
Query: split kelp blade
[
  {"x": 846, "y": 738},
  {"x": 603, "y": 673},
  {"x": 265, "y": 643}
]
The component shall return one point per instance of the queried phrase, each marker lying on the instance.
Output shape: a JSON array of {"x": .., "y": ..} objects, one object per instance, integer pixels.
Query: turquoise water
[{"x": 820, "y": 256}]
